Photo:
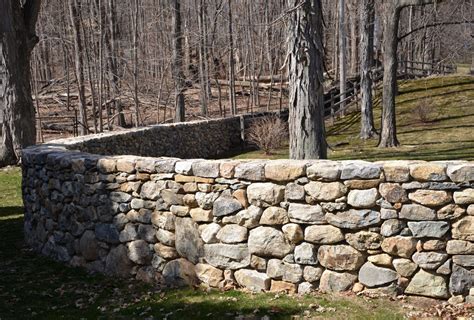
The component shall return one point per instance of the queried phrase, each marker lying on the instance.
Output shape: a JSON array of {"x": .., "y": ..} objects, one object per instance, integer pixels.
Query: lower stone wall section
[{"x": 292, "y": 226}]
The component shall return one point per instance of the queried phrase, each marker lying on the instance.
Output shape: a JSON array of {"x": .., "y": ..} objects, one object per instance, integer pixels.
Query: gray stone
[
  {"x": 248, "y": 218},
  {"x": 461, "y": 173},
  {"x": 363, "y": 198},
  {"x": 464, "y": 197},
  {"x": 306, "y": 253},
  {"x": 393, "y": 192},
  {"x": 180, "y": 273},
  {"x": 360, "y": 170},
  {"x": 460, "y": 247},
  {"x": 305, "y": 288},
  {"x": 429, "y": 260},
  {"x": 226, "y": 205},
  {"x": 267, "y": 194},
  {"x": 184, "y": 167},
  {"x": 139, "y": 252},
  {"x": 137, "y": 204},
  {"x": 252, "y": 171},
  {"x": 428, "y": 229},
  {"x": 171, "y": 197},
  {"x": 312, "y": 274},
  {"x": 275, "y": 269},
  {"x": 206, "y": 169},
  {"x": 450, "y": 212},
  {"x": 333, "y": 206},
  {"x": 252, "y": 280},
  {"x": 405, "y": 267},
  {"x": 303, "y": 213},
  {"x": 117, "y": 262},
  {"x": 292, "y": 272},
  {"x": 321, "y": 191},
  {"x": 374, "y": 276},
  {"x": 232, "y": 233},
  {"x": 391, "y": 227},
  {"x": 163, "y": 220},
  {"x": 206, "y": 200},
  {"x": 387, "y": 214},
  {"x": 165, "y": 251},
  {"x": 464, "y": 229},
  {"x": 147, "y": 233},
  {"x": 445, "y": 268},
  {"x": 332, "y": 281},
  {"x": 151, "y": 190},
  {"x": 464, "y": 260},
  {"x": 354, "y": 219},
  {"x": 417, "y": 212},
  {"x": 461, "y": 280},
  {"x": 340, "y": 257},
  {"x": 166, "y": 237},
  {"x": 294, "y": 192},
  {"x": 227, "y": 256},
  {"x": 324, "y": 170},
  {"x": 323, "y": 234},
  {"x": 268, "y": 242},
  {"x": 119, "y": 197},
  {"x": 88, "y": 246},
  {"x": 107, "y": 233},
  {"x": 209, "y": 232},
  {"x": 428, "y": 285},
  {"x": 364, "y": 240},
  {"x": 188, "y": 242}
]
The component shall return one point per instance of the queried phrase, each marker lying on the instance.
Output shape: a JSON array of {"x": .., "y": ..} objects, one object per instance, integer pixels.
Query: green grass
[
  {"x": 34, "y": 287},
  {"x": 449, "y": 134}
]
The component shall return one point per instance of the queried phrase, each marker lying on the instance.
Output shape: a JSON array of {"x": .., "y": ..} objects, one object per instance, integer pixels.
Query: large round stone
[
  {"x": 430, "y": 198},
  {"x": 180, "y": 273},
  {"x": 323, "y": 234},
  {"x": 364, "y": 240},
  {"x": 268, "y": 242},
  {"x": 464, "y": 229},
  {"x": 363, "y": 198},
  {"x": 399, "y": 246},
  {"x": 321, "y": 191},
  {"x": 373, "y": 276},
  {"x": 428, "y": 285},
  {"x": 340, "y": 257},
  {"x": 332, "y": 281},
  {"x": 188, "y": 241}
]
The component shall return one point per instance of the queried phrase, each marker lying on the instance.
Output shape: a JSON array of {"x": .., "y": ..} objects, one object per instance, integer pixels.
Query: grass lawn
[
  {"x": 32, "y": 286},
  {"x": 448, "y": 135}
]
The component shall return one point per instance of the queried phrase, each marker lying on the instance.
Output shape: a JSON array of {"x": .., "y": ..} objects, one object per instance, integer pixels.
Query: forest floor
[
  {"x": 35, "y": 287},
  {"x": 435, "y": 121}
]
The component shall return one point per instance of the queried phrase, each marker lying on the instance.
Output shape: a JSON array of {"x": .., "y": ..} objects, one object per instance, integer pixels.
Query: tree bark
[
  {"x": 367, "y": 17},
  {"x": 17, "y": 113},
  {"x": 342, "y": 54},
  {"x": 232, "y": 101},
  {"x": 305, "y": 49},
  {"x": 178, "y": 74}
]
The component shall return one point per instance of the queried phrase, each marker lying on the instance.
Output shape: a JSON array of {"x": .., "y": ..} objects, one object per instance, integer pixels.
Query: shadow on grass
[{"x": 449, "y": 83}]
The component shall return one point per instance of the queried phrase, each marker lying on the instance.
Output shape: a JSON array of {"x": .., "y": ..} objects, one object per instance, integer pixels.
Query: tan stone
[
  {"x": 358, "y": 287},
  {"x": 362, "y": 184},
  {"x": 274, "y": 216},
  {"x": 399, "y": 246},
  {"x": 190, "y": 201},
  {"x": 293, "y": 233},
  {"x": 393, "y": 192},
  {"x": 165, "y": 251},
  {"x": 227, "y": 169},
  {"x": 107, "y": 165},
  {"x": 126, "y": 164},
  {"x": 204, "y": 180},
  {"x": 396, "y": 172},
  {"x": 258, "y": 263},
  {"x": 190, "y": 187},
  {"x": 284, "y": 170},
  {"x": 180, "y": 211},
  {"x": 241, "y": 196},
  {"x": 434, "y": 245},
  {"x": 464, "y": 229},
  {"x": 201, "y": 215},
  {"x": 325, "y": 191},
  {"x": 143, "y": 176},
  {"x": 208, "y": 274},
  {"x": 430, "y": 198},
  {"x": 381, "y": 260},
  {"x": 283, "y": 286},
  {"x": 428, "y": 172},
  {"x": 464, "y": 197}
]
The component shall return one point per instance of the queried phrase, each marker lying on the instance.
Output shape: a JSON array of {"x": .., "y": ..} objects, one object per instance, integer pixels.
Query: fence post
[{"x": 75, "y": 125}]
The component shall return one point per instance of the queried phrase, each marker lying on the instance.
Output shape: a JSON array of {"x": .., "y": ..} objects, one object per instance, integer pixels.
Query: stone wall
[{"x": 264, "y": 225}]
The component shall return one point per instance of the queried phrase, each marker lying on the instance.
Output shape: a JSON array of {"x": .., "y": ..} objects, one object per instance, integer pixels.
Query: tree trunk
[
  {"x": 79, "y": 65},
  {"x": 391, "y": 18},
  {"x": 367, "y": 14},
  {"x": 342, "y": 55},
  {"x": 17, "y": 113},
  {"x": 178, "y": 74},
  {"x": 305, "y": 48},
  {"x": 232, "y": 101}
]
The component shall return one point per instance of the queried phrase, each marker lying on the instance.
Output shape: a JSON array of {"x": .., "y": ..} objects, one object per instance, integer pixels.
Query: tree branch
[
  {"x": 444, "y": 23},
  {"x": 407, "y": 3}
]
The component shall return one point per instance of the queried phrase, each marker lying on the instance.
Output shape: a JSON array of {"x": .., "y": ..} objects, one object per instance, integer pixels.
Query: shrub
[
  {"x": 268, "y": 133},
  {"x": 425, "y": 111}
]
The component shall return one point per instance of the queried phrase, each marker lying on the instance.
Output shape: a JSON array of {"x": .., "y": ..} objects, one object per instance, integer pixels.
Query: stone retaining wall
[{"x": 265, "y": 225}]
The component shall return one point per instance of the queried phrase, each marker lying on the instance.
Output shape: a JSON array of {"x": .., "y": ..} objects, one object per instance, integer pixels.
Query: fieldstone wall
[{"x": 290, "y": 226}]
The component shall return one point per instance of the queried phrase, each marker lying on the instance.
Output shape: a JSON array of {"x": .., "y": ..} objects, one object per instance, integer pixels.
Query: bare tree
[
  {"x": 17, "y": 113},
  {"x": 305, "y": 50},
  {"x": 391, "y": 19},
  {"x": 367, "y": 17},
  {"x": 342, "y": 53},
  {"x": 178, "y": 75}
]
